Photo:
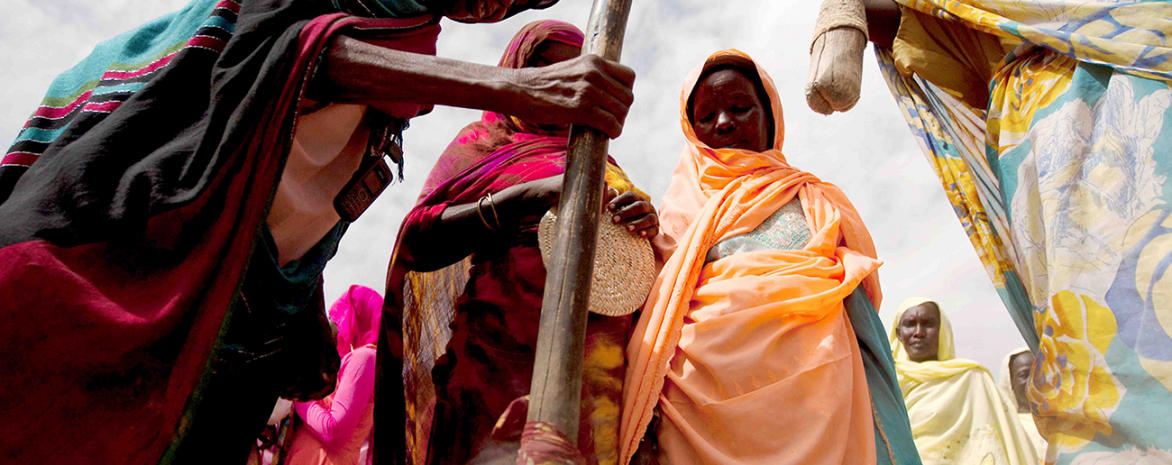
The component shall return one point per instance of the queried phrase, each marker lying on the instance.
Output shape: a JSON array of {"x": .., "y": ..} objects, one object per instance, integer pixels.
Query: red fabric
[
  {"x": 493, "y": 312},
  {"x": 107, "y": 354}
]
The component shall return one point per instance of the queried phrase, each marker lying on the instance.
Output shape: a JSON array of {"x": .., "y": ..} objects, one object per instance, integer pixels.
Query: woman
[
  {"x": 135, "y": 212},
  {"x": 760, "y": 342},
  {"x": 468, "y": 276},
  {"x": 1013, "y": 381},
  {"x": 1048, "y": 124},
  {"x": 957, "y": 413},
  {"x": 332, "y": 431}
]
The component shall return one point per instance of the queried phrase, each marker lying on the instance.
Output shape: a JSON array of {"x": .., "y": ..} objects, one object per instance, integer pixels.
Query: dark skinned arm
[
  {"x": 882, "y": 21},
  {"x": 460, "y": 230},
  {"x": 586, "y": 90}
]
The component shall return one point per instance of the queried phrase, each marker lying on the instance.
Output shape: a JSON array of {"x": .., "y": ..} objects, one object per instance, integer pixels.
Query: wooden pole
[
  {"x": 836, "y": 56},
  {"x": 557, "y": 373}
]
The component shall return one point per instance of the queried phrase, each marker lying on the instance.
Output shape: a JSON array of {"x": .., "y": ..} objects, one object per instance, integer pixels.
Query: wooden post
[
  {"x": 557, "y": 373},
  {"x": 836, "y": 56}
]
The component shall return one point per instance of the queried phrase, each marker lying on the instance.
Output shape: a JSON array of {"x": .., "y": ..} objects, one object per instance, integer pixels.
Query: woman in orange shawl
[{"x": 747, "y": 350}]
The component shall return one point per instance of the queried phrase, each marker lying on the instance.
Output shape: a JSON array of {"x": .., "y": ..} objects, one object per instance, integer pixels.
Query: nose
[
  {"x": 920, "y": 331},
  {"x": 724, "y": 123}
]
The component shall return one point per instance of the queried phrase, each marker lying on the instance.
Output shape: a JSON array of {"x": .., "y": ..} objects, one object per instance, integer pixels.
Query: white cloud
[{"x": 869, "y": 152}]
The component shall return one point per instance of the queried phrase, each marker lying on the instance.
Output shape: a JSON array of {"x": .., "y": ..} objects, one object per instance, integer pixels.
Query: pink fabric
[
  {"x": 333, "y": 429},
  {"x": 358, "y": 314}
]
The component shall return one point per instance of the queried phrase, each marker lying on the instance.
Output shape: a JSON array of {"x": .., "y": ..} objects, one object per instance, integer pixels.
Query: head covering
[
  {"x": 520, "y": 51},
  {"x": 1005, "y": 377},
  {"x": 466, "y": 11},
  {"x": 945, "y": 348},
  {"x": 1005, "y": 385},
  {"x": 357, "y": 314},
  {"x": 491, "y": 11},
  {"x": 716, "y": 194},
  {"x": 703, "y": 172},
  {"x": 496, "y": 130},
  {"x": 488, "y": 155}
]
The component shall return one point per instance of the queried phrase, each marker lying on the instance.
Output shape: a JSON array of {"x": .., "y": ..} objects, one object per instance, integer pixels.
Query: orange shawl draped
[{"x": 751, "y": 357}]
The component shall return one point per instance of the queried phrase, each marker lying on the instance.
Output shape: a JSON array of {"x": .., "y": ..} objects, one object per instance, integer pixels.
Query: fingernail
[
  {"x": 616, "y": 219},
  {"x": 630, "y": 227}
]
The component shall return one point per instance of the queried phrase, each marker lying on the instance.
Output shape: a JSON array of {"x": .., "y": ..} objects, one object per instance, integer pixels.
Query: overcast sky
[{"x": 869, "y": 152}]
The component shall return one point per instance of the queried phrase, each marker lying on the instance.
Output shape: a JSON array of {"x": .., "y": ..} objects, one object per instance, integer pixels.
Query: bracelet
[
  {"x": 492, "y": 206},
  {"x": 480, "y": 211}
]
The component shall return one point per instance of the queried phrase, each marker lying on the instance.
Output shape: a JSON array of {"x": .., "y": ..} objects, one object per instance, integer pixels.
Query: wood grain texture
[
  {"x": 555, "y": 394},
  {"x": 836, "y": 57}
]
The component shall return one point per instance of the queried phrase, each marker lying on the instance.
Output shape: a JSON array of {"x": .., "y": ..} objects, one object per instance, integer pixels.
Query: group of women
[
  {"x": 760, "y": 340},
  {"x": 175, "y": 239}
]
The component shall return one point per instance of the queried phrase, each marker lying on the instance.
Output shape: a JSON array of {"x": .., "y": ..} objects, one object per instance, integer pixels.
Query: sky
[{"x": 868, "y": 152}]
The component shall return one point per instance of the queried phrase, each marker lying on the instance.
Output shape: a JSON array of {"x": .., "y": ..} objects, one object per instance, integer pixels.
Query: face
[
  {"x": 727, "y": 113},
  {"x": 919, "y": 330},
  {"x": 550, "y": 52},
  {"x": 1019, "y": 376}
]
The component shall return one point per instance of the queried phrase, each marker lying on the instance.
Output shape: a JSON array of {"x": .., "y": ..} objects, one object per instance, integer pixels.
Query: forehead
[
  {"x": 553, "y": 48},
  {"x": 724, "y": 82},
  {"x": 924, "y": 311},
  {"x": 1021, "y": 361}
]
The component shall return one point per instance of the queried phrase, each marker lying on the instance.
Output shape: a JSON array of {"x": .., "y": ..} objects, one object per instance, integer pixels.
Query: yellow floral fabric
[{"x": 1061, "y": 180}]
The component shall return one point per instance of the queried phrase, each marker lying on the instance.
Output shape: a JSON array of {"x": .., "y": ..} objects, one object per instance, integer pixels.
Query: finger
[
  {"x": 618, "y": 71},
  {"x": 604, "y": 121},
  {"x": 629, "y": 212},
  {"x": 641, "y": 222},
  {"x": 613, "y": 87},
  {"x": 608, "y": 86},
  {"x": 648, "y": 233},
  {"x": 609, "y": 194},
  {"x": 611, "y": 105},
  {"x": 613, "y": 201},
  {"x": 622, "y": 200}
]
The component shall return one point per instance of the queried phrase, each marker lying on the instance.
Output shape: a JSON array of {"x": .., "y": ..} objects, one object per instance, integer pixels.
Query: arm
[
  {"x": 585, "y": 91},
  {"x": 459, "y": 230},
  {"x": 882, "y": 21},
  {"x": 335, "y": 425}
]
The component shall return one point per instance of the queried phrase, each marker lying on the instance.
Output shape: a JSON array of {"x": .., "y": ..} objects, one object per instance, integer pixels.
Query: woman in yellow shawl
[
  {"x": 1013, "y": 381},
  {"x": 957, "y": 413},
  {"x": 1049, "y": 124},
  {"x": 747, "y": 349}
]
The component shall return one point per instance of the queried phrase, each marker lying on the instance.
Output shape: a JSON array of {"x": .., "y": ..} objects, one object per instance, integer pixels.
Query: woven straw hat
[{"x": 624, "y": 266}]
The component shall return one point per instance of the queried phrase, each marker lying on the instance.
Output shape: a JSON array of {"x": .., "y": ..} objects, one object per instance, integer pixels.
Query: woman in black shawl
[{"x": 146, "y": 305}]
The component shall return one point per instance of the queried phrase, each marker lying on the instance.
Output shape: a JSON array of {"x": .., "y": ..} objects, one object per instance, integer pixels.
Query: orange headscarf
[{"x": 733, "y": 311}]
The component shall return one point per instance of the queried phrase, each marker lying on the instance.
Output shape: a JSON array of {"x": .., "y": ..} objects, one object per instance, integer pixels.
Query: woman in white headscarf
[
  {"x": 956, "y": 411},
  {"x": 1013, "y": 380}
]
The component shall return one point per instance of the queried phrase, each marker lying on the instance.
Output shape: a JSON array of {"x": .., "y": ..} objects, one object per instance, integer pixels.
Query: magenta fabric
[
  {"x": 491, "y": 302},
  {"x": 357, "y": 314},
  {"x": 341, "y": 423}
]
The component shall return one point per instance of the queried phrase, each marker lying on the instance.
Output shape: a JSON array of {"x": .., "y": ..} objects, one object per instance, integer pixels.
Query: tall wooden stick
[{"x": 557, "y": 373}]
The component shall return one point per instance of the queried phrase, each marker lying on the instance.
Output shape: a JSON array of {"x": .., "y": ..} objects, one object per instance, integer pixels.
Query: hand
[
  {"x": 634, "y": 212},
  {"x": 586, "y": 91}
]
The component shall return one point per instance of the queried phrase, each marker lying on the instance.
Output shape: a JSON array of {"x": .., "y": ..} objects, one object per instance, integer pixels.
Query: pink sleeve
[{"x": 355, "y": 390}]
